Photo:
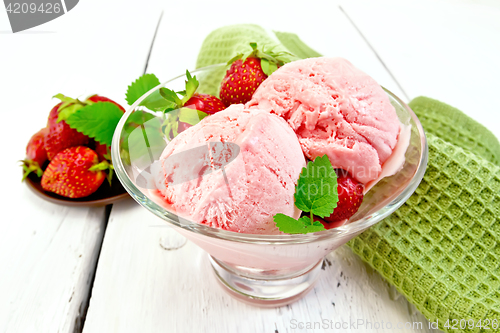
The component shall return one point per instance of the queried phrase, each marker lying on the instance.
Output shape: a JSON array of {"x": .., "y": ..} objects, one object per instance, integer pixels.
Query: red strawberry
[
  {"x": 60, "y": 135},
  {"x": 247, "y": 72},
  {"x": 35, "y": 153},
  {"x": 183, "y": 119},
  {"x": 350, "y": 197},
  {"x": 74, "y": 173},
  {"x": 206, "y": 103},
  {"x": 103, "y": 152},
  {"x": 97, "y": 98},
  {"x": 241, "y": 80}
]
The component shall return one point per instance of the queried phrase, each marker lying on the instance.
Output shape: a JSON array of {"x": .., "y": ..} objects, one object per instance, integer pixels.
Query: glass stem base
[{"x": 263, "y": 292}]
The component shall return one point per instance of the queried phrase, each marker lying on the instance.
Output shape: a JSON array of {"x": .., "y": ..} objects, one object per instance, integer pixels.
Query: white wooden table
[{"x": 117, "y": 269}]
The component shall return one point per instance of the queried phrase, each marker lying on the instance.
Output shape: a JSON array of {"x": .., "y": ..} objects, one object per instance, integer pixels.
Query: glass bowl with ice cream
[{"x": 219, "y": 178}]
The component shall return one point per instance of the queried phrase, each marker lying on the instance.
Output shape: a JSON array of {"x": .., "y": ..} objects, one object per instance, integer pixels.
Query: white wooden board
[
  {"x": 48, "y": 252},
  {"x": 142, "y": 287}
]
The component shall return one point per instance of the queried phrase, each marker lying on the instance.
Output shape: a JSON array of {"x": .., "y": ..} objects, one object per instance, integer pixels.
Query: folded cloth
[{"x": 441, "y": 248}]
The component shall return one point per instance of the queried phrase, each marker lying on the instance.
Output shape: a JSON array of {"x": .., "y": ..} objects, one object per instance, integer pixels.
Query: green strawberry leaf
[
  {"x": 191, "y": 86},
  {"x": 64, "y": 98},
  {"x": 290, "y": 225},
  {"x": 170, "y": 96},
  {"x": 97, "y": 121},
  {"x": 264, "y": 64},
  {"x": 141, "y": 86},
  {"x": 235, "y": 58},
  {"x": 67, "y": 111},
  {"x": 69, "y": 106}
]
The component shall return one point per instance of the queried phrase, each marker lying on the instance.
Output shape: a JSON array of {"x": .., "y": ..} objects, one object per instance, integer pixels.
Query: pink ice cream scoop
[
  {"x": 335, "y": 109},
  {"x": 246, "y": 174}
]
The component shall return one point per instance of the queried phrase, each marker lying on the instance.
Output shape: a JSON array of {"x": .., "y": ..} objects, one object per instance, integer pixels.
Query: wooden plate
[{"x": 105, "y": 195}]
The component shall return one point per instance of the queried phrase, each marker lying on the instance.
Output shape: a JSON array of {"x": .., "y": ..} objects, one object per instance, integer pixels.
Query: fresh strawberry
[
  {"x": 60, "y": 135},
  {"x": 74, "y": 173},
  {"x": 247, "y": 72},
  {"x": 35, "y": 153},
  {"x": 103, "y": 152},
  {"x": 97, "y": 98},
  {"x": 350, "y": 197},
  {"x": 185, "y": 117},
  {"x": 206, "y": 103}
]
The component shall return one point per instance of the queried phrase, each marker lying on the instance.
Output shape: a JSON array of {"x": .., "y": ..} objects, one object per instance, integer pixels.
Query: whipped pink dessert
[
  {"x": 245, "y": 186},
  {"x": 334, "y": 109}
]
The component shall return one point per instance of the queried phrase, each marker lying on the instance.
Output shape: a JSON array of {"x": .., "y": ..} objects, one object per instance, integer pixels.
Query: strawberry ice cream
[
  {"x": 245, "y": 176},
  {"x": 335, "y": 109}
]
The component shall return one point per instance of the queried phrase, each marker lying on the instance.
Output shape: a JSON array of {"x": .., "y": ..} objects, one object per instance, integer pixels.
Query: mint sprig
[{"x": 315, "y": 193}]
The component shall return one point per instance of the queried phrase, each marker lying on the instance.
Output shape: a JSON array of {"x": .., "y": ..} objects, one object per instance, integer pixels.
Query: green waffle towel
[{"x": 441, "y": 249}]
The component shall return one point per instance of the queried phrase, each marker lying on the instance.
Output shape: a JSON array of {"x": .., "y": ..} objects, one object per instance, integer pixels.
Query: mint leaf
[
  {"x": 316, "y": 189},
  {"x": 141, "y": 86},
  {"x": 290, "y": 225},
  {"x": 316, "y": 192},
  {"x": 97, "y": 121}
]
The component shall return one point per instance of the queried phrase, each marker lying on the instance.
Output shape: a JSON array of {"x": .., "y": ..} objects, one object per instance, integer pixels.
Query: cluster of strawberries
[{"x": 77, "y": 164}]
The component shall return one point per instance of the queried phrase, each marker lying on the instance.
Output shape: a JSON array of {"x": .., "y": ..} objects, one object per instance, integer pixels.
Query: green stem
[{"x": 312, "y": 218}]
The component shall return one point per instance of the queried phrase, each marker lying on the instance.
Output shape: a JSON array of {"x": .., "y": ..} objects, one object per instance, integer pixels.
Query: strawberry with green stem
[
  {"x": 189, "y": 109},
  {"x": 36, "y": 155},
  {"x": 61, "y": 135},
  {"x": 248, "y": 71},
  {"x": 74, "y": 172}
]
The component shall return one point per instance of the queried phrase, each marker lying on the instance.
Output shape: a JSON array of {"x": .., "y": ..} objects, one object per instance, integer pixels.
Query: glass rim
[{"x": 350, "y": 228}]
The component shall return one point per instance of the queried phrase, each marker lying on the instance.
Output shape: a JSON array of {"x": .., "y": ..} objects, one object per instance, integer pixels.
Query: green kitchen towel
[{"x": 441, "y": 249}]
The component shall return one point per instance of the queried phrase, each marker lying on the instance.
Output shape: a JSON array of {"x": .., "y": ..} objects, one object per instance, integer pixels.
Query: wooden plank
[
  {"x": 447, "y": 50},
  {"x": 49, "y": 252},
  {"x": 140, "y": 286}
]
